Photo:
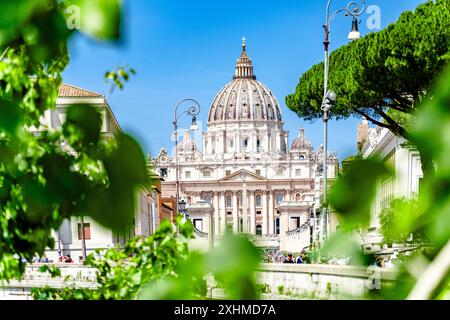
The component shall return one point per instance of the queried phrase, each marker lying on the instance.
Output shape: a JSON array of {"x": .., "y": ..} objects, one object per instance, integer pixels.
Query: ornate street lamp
[
  {"x": 353, "y": 9},
  {"x": 191, "y": 111}
]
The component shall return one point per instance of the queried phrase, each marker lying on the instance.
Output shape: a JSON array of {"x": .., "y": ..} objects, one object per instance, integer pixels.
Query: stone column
[
  {"x": 216, "y": 213},
  {"x": 244, "y": 209},
  {"x": 235, "y": 212},
  {"x": 223, "y": 213},
  {"x": 265, "y": 229},
  {"x": 271, "y": 215},
  {"x": 252, "y": 213}
]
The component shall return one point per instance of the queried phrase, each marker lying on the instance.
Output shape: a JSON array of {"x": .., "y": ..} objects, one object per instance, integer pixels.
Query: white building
[
  {"x": 245, "y": 172},
  {"x": 402, "y": 157},
  {"x": 68, "y": 238}
]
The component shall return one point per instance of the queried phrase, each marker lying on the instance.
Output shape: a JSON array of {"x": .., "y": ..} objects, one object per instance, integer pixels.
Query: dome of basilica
[
  {"x": 301, "y": 142},
  {"x": 244, "y": 98},
  {"x": 187, "y": 145}
]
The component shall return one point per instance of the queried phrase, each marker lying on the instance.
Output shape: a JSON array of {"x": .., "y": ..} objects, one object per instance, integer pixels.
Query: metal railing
[
  {"x": 200, "y": 234},
  {"x": 298, "y": 231}
]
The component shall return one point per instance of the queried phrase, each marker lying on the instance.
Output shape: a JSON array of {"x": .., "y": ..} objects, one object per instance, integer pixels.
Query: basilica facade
[{"x": 244, "y": 175}]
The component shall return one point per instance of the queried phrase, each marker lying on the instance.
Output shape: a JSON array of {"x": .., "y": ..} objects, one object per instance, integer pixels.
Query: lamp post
[
  {"x": 354, "y": 10},
  {"x": 191, "y": 111}
]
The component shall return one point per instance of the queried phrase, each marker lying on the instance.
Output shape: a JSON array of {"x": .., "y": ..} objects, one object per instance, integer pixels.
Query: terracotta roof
[{"x": 69, "y": 91}]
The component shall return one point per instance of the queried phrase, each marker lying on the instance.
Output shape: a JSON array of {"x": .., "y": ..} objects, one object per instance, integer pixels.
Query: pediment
[{"x": 237, "y": 176}]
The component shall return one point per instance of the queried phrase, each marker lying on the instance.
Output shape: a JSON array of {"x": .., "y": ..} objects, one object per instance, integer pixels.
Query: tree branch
[
  {"x": 375, "y": 122},
  {"x": 394, "y": 126},
  {"x": 405, "y": 103},
  {"x": 399, "y": 107}
]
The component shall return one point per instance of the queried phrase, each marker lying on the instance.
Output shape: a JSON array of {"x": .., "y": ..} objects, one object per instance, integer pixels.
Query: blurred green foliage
[
  {"x": 398, "y": 220},
  {"x": 352, "y": 196},
  {"x": 47, "y": 176},
  {"x": 161, "y": 267},
  {"x": 54, "y": 271},
  {"x": 427, "y": 218}
]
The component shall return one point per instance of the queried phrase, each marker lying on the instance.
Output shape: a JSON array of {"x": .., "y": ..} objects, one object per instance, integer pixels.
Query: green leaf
[
  {"x": 100, "y": 19},
  {"x": 10, "y": 116},
  {"x": 233, "y": 263},
  {"x": 342, "y": 245},
  {"x": 353, "y": 193},
  {"x": 82, "y": 126},
  {"x": 127, "y": 170},
  {"x": 13, "y": 15}
]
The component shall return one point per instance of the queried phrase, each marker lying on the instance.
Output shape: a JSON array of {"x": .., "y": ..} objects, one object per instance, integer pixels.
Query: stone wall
[
  {"x": 323, "y": 281},
  {"x": 72, "y": 275},
  {"x": 289, "y": 280}
]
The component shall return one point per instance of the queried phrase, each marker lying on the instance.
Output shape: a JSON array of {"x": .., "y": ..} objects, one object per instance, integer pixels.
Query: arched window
[
  {"x": 297, "y": 197},
  {"x": 259, "y": 230},
  {"x": 302, "y": 157}
]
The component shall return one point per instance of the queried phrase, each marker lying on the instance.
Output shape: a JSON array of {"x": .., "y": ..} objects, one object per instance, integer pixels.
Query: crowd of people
[
  {"x": 277, "y": 256},
  {"x": 44, "y": 259}
]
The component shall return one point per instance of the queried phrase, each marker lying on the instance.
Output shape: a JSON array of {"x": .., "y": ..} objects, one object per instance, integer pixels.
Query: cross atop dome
[{"x": 244, "y": 66}]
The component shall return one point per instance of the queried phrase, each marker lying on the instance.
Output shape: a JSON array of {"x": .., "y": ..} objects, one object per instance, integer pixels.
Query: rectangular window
[
  {"x": 228, "y": 201},
  {"x": 231, "y": 143},
  {"x": 163, "y": 172},
  {"x": 207, "y": 198},
  {"x": 258, "y": 200},
  {"x": 87, "y": 231},
  {"x": 229, "y": 213},
  {"x": 198, "y": 224},
  {"x": 298, "y": 172},
  {"x": 279, "y": 198},
  {"x": 294, "y": 223},
  {"x": 245, "y": 144},
  {"x": 207, "y": 173},
  {"x": 258, "y": 212},
  {"x": 187, "y": 174},
  {"x": 227, "y": 173},
  {"x": 258, "y": 172},
  {"x": 258, "y": 145}
]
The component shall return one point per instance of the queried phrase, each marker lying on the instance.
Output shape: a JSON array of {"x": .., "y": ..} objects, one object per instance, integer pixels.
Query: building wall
[{"x": 403, "y": 159}]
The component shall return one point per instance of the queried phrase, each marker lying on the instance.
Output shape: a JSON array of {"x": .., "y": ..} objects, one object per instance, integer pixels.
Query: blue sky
[{"x": 188, "y": 48}]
